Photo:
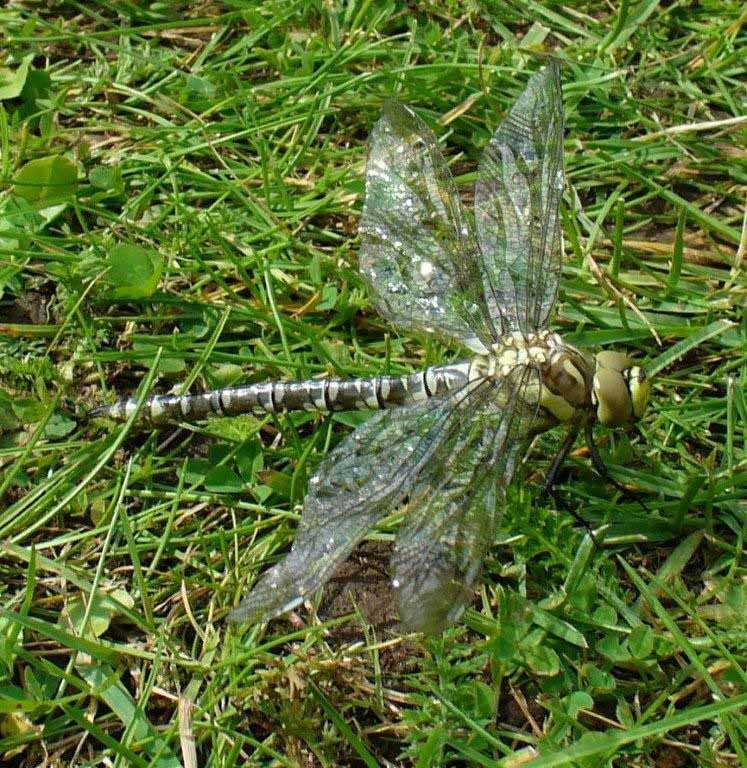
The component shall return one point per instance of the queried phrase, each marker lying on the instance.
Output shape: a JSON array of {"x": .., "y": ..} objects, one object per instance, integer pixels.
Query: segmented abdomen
[{"x": 312, "y": 395}]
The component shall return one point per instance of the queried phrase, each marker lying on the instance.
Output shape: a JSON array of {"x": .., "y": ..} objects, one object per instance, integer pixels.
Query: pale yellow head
[{"x": 621, "y": 389}]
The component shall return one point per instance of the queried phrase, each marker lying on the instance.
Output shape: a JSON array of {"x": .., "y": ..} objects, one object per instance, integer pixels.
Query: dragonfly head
[{"x": 621, "y": 389}]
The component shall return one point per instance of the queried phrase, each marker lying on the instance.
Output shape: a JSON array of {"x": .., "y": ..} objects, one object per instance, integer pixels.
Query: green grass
[{"x": 229, "y": 140}]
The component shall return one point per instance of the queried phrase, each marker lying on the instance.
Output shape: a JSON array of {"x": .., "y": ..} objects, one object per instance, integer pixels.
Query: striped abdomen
[{"x": 280, "y": 396}]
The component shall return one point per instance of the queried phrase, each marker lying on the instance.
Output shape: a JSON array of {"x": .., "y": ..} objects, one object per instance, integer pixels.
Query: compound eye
[
  {"x": 639, "y": 386},
  {"x": 614, "y": 406}
]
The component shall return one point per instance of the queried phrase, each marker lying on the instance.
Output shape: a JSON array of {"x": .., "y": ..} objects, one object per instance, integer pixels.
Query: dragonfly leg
[
  {"x": 603, "y": 471},
  {"x": 559, "y": 460},
  {"x": 552, "y": 478}
]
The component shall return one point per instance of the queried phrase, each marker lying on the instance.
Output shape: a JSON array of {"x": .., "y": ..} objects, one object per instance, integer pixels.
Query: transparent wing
[
  {"x": 364, "y": 478},
  {"x": 452, "y": 521},
  {"x": 517, "y": 196},
  {"x": 418, "y": 254}
]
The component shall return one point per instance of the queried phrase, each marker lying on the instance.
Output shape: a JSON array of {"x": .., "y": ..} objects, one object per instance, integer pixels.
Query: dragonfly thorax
[
  {"x": 519, "y": 349},
  {"x": 572, "y": 383},
  {"x": 564, "y": 374}
]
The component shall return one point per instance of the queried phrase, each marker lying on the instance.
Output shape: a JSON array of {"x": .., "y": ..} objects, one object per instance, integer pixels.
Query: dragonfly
[{"x": 445, "y": 442}]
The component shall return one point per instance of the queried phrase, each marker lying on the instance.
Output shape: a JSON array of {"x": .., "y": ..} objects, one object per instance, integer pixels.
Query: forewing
[
  {"x": 452, "y": 521},
  {"x": 517, "y": 198},
  {"x": 418, "y": 254},
  {"x": 364, "y": 478}
]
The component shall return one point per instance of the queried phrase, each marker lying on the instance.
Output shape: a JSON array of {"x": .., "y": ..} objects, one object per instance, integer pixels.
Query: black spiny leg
[
  {"x": 558, "y": 461},
  {"x": 554, "y": 471},
  {"x": 601, "y": 467}
]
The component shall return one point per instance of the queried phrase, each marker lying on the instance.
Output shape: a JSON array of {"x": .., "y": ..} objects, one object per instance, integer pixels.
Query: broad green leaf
[
  {"x": 736, "y": 597},
  {"x": 28, "y": 410},
  {"x": 249, "y": 460},
  {"x": 233, "y": 428},
  {"x": 503, "y": 644},
  {"x": 13, "y": 80},
  {"x": 612, "y": 649},
  {"x": 261, "y": 493},
  {"x": 640, "y": 642},
  {"x": 100, "y": 615},
  {"x": 223, "y": 480},
  {"x": 39, "y": 684},
  {"x": 47, "y": 180},
  {"x": 63, "y": 637},
  {"x": 329, "y": 297},
  {"x": 279, "y": 482},
  {"x": 352, "y": 418},
  {"x": 485, "y": 699},
  {"x": 134, "y": 272},
  {"x": 200, "y": 86},
  {"x": 558, "y": 627},
  {"x": 598, "y": 679},
  {"x": 37, "y": 86},
  {"x": 196, "y": 471},
  {"x": 218, "y": 453},
  {"x": 577, "y": 701},
  {"x": 59, "y": 426},
  {"x": 605, "y": 616},
  {"x": 98, "y": 621},
  {"x": 225, "y": 375},
  {"x": 170, "y": 362},
  {"x": 535, "y": 37},
  {"x": 13, "y": 694},
  {"x": 18, "y": 218},
  {"x": 542, "y": 660},
  {"x": 106, "y": 177}
]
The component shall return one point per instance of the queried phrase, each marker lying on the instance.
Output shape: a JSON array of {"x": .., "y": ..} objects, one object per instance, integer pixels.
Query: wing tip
[
  {"x": 403, "y": 120},
  {"x": 389, "y": 109},
  {"x": 549, "y": 75},
  {"x": 256, "y": 608},
  {"x": 250, "y": 611},
  {"x": 244, "y": 614},
  {"x": 391, "y": 103}
]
